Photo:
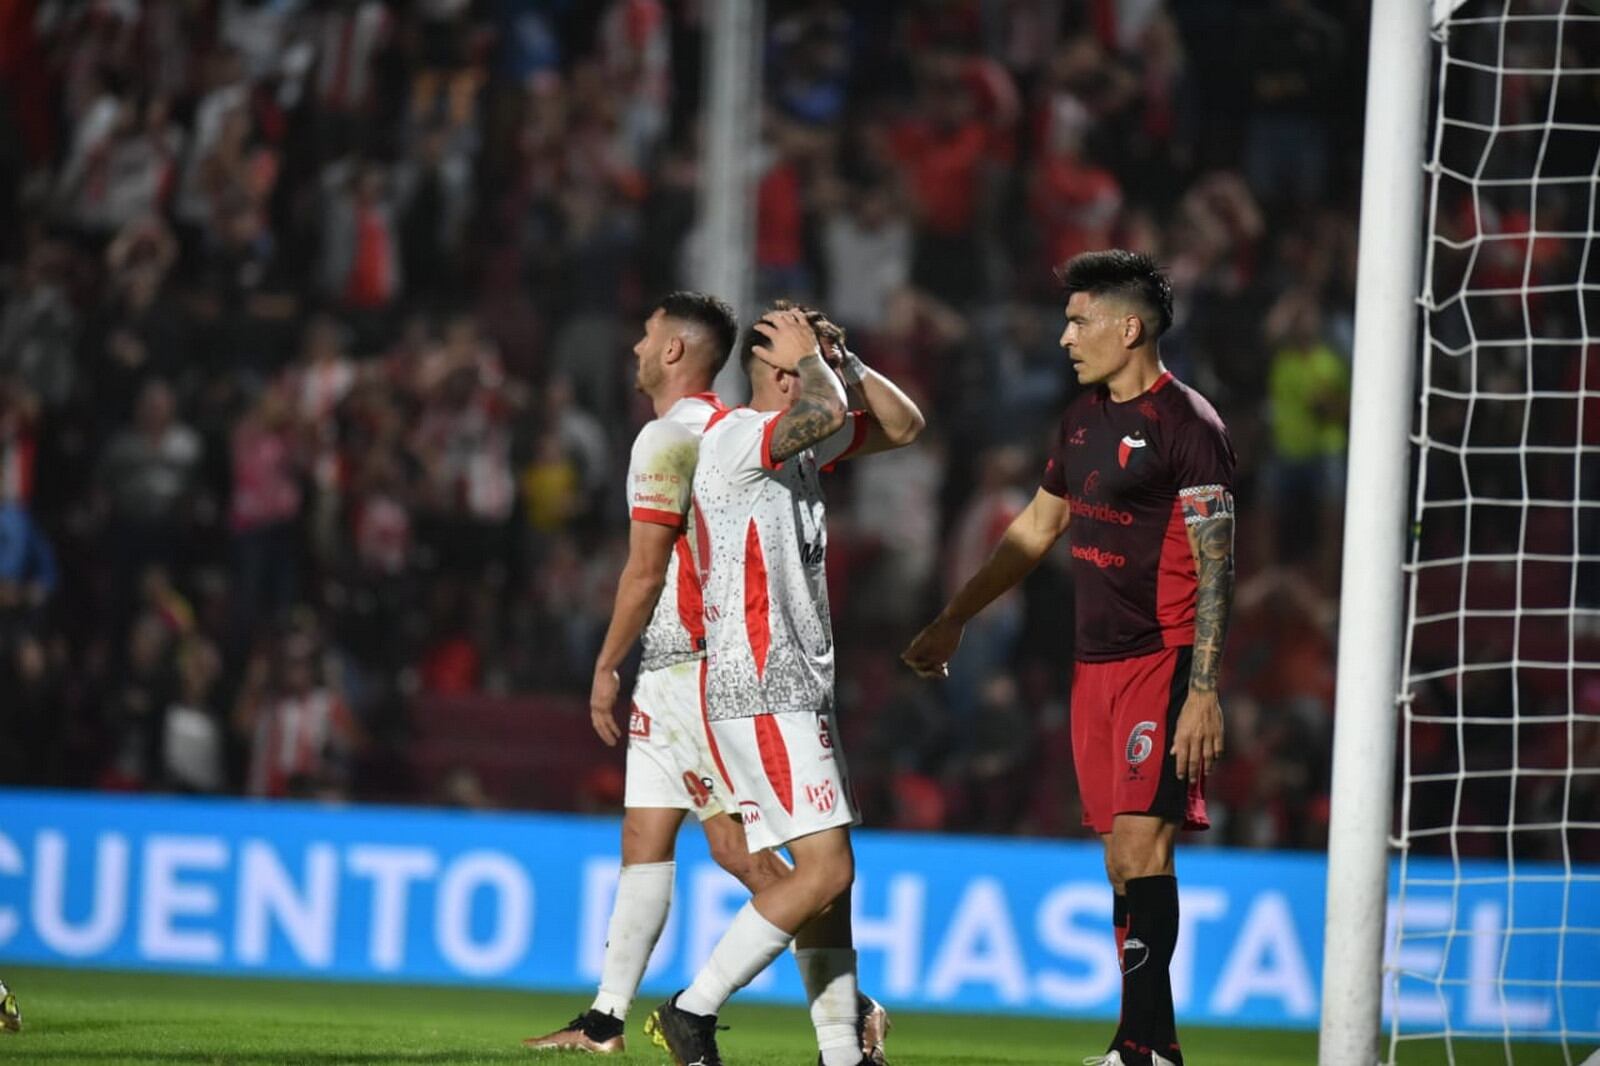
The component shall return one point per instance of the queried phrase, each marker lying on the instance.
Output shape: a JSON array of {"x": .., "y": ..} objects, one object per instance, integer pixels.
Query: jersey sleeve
[
  {"x": 1054, "y": 478},
  {"x": 844, "y": 441},
  {"x": 742, "y": 443},
  {"x": 661, "y": 473},
  {"x": 1202, "y": 459}
]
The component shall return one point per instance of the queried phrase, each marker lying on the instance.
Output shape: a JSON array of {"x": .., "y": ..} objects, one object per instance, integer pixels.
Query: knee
[
  {"x": 1122, "y": 868},
  {"x": 1128, "y": 862},
  {"x": 1114, "y": 874},
  {"x": 641, "y": 845},
  {"x": 734, "y": 856},
  {"x": 834, "y": 879}
]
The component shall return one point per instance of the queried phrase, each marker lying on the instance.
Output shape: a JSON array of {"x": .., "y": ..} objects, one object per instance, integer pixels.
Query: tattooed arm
[
  {"x": 815, "y": 415},
  {"x": 818, "y": 410},
  {"x": 1208, "y": 517}
]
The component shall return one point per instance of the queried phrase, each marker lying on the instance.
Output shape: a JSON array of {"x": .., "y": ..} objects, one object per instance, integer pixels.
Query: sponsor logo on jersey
[
  {"x": 749, "y": 812},
  {"x": 699, "y": 788},
  {"x": 822, "y": 796},
  {"x": 1148, "y": 409},
  {"x": 824, "y": 735},
  {"x": 639, "y": 724},
  {"x": 1099, "y": 557},
  {"x": 1091, "y": 484},
  {"x": 1129, "y": 447},
  {"x": 1080, "y": 435},
  {"x": 812, "y": 554},
  {"x": 1099, "y": 512}
]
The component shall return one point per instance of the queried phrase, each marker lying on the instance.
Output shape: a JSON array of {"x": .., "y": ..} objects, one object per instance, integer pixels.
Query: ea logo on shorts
[{"x": 1140, "y": 745}]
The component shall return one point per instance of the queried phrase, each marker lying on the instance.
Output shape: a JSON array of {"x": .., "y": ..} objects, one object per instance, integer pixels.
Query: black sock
[
  {"x": 1119, "y": 921},
  {"x": 1147, "y": 1020}
]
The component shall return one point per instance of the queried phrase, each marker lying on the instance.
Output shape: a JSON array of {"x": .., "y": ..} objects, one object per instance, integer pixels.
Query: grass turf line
[{"x": 98, "y": 1018}]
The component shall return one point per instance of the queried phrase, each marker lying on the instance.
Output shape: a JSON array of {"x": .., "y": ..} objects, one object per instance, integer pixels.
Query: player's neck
[
  {"x": 768, "y": 399},
  {"x": 673, "y": 391},
  {"x": 1135, "y": 379}
]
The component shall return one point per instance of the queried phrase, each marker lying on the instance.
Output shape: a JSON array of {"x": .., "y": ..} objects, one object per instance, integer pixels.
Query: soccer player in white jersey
[
  {"x": 762, "y": 541},
  {"x": 670, "y": 769}
]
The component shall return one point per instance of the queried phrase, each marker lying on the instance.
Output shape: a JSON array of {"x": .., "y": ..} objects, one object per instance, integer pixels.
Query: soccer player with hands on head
[
  {"x": 760, "y": 524},
  {"x": 1141, "y": 475},
  {"x": 670, "y": 768}
]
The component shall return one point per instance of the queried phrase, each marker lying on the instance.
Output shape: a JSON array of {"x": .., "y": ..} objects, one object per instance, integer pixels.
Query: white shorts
[
  {"x": 789, "y": 775},
  {"x": 669, "y": 751}
]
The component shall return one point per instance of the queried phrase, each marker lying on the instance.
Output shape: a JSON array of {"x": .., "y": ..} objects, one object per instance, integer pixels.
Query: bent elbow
[{"x": 914, "y": 427}]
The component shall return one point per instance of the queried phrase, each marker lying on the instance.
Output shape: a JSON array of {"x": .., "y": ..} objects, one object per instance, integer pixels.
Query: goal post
[
  {"x": 1469, "y": 641},
  {"x": 1371, "y": 614}
]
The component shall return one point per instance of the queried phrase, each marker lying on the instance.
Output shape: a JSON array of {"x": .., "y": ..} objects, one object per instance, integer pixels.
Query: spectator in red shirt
[
  {"x": 942, "y": 152},
  {"x": 780, "y": 230},
  {"x": 1074, "y": 203}
]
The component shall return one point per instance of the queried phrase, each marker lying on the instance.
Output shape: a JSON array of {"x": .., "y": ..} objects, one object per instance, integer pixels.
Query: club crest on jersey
[
  {"x": 823, "y": 797},
  {"x": 1130, "y": 447},
  {"x": 639, "y": 724}
]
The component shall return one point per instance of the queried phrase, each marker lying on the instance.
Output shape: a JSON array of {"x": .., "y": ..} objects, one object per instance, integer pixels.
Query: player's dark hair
[
  {"x": 714, "y": 314},
  {"x": 1131, "y": 275},
  {"x": 828, "y": 333}
]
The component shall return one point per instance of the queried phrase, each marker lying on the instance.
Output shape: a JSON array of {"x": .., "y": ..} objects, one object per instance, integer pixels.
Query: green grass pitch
[{"x": 93, "y": 1018}]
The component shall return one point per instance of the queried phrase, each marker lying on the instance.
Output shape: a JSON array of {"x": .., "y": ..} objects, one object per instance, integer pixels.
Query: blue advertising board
[{"x": 942, "y": 923}]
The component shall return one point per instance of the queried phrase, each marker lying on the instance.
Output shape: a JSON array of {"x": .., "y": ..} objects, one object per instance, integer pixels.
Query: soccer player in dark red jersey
[{"x": 1141, "y": 474}]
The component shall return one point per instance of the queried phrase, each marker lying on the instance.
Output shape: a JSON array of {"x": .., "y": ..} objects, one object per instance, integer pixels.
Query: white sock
[
  {"x": 830, "y": 979},
  {"x": 747, "y": 948},
  {"x": 644, "y": 895}
]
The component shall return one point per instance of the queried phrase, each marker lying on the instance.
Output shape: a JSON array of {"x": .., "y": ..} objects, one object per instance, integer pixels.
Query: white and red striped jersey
[
  {"x": 297, "y": 737},
  {"x": 660, "y": 482},
  {"x": 762, "y": 539}
]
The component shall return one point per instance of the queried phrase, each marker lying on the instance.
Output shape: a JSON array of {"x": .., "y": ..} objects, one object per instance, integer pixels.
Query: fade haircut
[
  {"x": 709, "y": 312},
  {"x": 1132, "y": 276},
  {"x": 828, "y": 334}
]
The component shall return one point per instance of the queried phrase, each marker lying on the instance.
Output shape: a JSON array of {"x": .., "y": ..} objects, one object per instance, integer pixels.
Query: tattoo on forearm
[
  {"x": 815, "y": 413},
  {"x": 1208, "y": 514}
]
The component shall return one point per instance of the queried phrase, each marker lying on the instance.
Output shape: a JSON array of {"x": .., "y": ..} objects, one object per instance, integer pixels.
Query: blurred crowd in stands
[{"x": 315, "y": 385}]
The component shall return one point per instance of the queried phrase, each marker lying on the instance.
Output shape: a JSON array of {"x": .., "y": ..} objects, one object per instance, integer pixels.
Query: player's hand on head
[
  {"x": 603, "y": 704},
  {"x": 930, "y": 652},
  {"x": 789, "y": 337}
]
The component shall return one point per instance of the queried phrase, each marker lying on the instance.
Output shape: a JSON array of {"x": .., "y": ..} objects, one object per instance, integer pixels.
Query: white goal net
[{"x": 1495, "y": 928}]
